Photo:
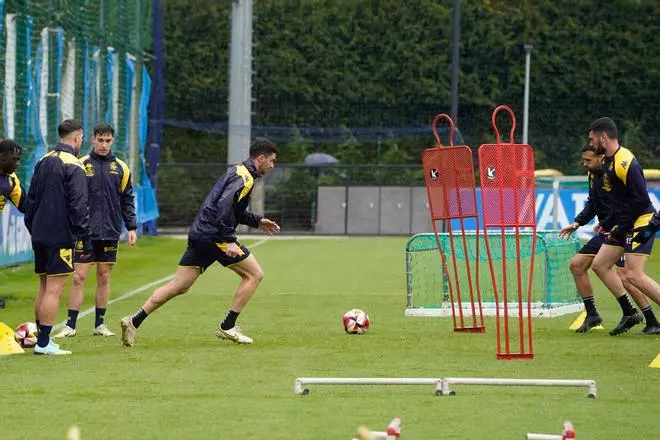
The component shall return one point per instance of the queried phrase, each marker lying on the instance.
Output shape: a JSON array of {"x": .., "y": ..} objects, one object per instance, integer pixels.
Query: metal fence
[{"x": 291, "y": 191}]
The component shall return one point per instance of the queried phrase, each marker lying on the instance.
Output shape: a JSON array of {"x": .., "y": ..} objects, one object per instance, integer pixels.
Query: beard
[{"x": 599, "y": 148}]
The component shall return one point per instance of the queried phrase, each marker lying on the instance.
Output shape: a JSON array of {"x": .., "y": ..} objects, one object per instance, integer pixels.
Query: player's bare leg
[
  {"x": 579, "y": 266},
  {"x": 184, "y": 278},
  {"x": 602, "y": 266},
  {"x": 647, "y": 287},
  {"x": 81, "y": 271},
  {"x": 103, "y": 272},
  {"x": 40, "y": 297},
  {"x": 47, "y": 313},
  {"x": 251, "y": 276}
]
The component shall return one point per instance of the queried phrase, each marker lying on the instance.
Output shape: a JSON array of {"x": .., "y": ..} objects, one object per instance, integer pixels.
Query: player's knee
[
  {"x": 577, "y": 266},
  {"x": 599, "y": 268},
  {"x": 78, "y": 279},
  {"x": 255, "y": 275},
  {"x": 103, "y": 278},
  {"x": 634, "y": 277}
]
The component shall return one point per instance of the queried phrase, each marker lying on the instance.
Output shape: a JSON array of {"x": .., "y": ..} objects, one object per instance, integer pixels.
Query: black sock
[
  {"x": 590, "y": 306},
  {"x": 138, "y": 317},
  {"x": 36, "y": 321},
  {"x": 649, "y": 316},
  {"x": 626, "y": 307},
  {"x": 73, "y": 317},
  {"x": 230, "y": 320},
  {"x": 100, "y": 315},
  {"x": 43, "y": 338}
]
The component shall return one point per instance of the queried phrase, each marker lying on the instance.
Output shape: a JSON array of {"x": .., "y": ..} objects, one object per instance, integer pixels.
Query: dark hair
[
  {"x": 103, "y": 128},
  {"x": 67, "y": 127},
  {"x": 262, "y": 145},
  {"x": 587, "y": 147},
  {"x": 604, "y": 125},
  {"x": 8, "y": 146}
]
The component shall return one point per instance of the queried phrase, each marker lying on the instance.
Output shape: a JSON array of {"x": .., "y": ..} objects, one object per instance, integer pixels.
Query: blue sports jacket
[
  {"x": 57, "y": 214},
  {"x": 225, "y": 206},
  {"x": 110, "y": 196},
  {"x": 10, "y": 188},
  {"x": 598, "y": 203},
  {"x": 623, "y": 179}
]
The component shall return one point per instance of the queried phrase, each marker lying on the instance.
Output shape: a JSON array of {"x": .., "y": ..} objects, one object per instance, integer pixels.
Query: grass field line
[{"x": 140, "y": 289}]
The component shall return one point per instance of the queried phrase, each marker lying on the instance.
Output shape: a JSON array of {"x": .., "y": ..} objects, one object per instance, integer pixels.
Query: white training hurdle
[
  {"x": 567, "y": 434},
  {"x": 442, "y": 386}
]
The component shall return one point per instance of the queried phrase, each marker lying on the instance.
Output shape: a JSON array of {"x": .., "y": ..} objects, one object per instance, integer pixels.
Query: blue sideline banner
[
  {"x": 570, "y": 203},
  {"x": 15, "y": 242}
]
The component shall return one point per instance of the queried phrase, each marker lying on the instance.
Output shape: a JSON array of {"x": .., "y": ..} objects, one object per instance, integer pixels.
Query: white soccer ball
[
  {"x": 356, "y": 322},
  {"x": 26, "y": 334}
]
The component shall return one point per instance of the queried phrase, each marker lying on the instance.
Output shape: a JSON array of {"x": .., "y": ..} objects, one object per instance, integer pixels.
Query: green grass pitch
[{"x": 180, "y": 382}]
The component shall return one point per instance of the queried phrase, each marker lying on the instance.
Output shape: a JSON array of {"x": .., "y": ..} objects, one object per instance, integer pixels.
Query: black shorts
[
  {"x": 630, "y": 247},
  {"x": 203, "y": 253},
  {"x": 593, "y": 246},
  {"x": 103, "y": 251},
  {"x": 52, "y": 261}
]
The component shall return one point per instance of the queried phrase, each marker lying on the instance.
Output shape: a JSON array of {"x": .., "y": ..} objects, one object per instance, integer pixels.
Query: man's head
[
  {"x": 104, "y": 135},
  {"x": 601, "y": 133},
  {"x": 591, "y": 161},
  {"x": 71, "y": 133},
  {"x": 10, "y": 156},
  {"x": 263, "y": 153}
]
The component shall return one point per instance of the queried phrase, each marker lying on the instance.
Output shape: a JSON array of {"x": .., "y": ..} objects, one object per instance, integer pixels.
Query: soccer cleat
[
  {"x": 66, "y": 332},
  {"x": 102, "y": 330},
  {"x": 128, "y": 331},
  {"x": 234, "y": 334},
  {"x": 651, "y": 330},
  {"x": 627, "y": 322},
  {"x": 589, "y": 323},
  {"x": 51, "y": 349}
]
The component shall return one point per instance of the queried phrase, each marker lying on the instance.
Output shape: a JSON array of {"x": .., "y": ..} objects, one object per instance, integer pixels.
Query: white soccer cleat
[
  {"x": 51, "y": 349},
  {"x": 234, "y": 334},
  {"x": 66, "y": 332},
  {"x": 102, "y": 330},
  {"x": 128, "y": 331}
]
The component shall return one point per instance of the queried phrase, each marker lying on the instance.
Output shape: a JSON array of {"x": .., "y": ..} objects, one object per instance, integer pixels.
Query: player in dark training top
[
  {"x": 623, "y": 179},
  {"x": 598, "y": 204},
  {"x": 212, "y": 238}
]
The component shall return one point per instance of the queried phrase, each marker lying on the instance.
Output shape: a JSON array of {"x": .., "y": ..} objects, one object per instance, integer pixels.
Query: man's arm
[
  {"x": 127, "y": 199},
  {"x": 17, "y": 195},
  {"x": 224, "y": 205},
  {"x": 589, "y": 211},
  {"x": 248, "y": 218},
  {"x": 637, "y": 193},
  {"x": 76, "y": 194}
]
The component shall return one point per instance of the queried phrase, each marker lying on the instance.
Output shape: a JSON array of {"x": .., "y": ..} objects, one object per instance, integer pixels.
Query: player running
[
  {"x": 623, "y": 179},
  {"x": 597, "y": 205},
  {"x": 212, "y": 237}
]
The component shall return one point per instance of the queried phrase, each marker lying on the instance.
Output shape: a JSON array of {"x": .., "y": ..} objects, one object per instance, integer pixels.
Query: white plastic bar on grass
[
  {"x": 442, "y": 386},
  {"x": 300, "y": 389},
  {"x": 379, "y": 435},
  {"x": 532, "y": 436},
  {"x": 446, "y": 383},
  {"x": 568, "y": 434}
]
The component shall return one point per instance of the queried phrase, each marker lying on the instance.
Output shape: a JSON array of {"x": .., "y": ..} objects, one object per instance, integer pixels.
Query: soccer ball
[
  {"x": 26, "y": 334},
  {"x": 356, "y": 322}
]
